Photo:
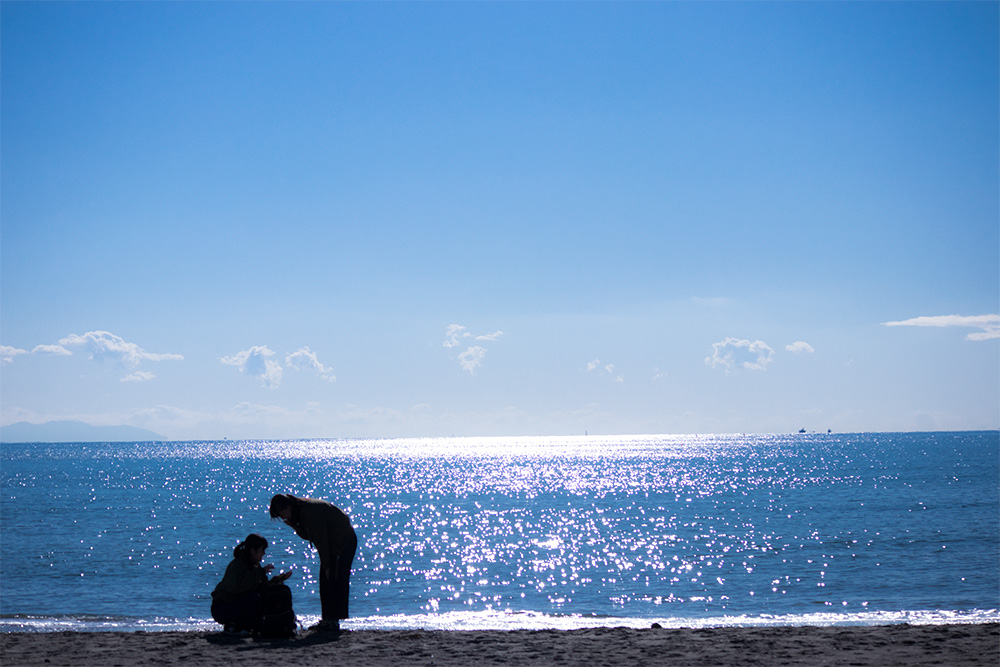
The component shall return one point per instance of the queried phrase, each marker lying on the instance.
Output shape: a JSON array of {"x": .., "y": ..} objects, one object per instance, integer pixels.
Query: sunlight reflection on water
[{"x": 691, "y": 526}]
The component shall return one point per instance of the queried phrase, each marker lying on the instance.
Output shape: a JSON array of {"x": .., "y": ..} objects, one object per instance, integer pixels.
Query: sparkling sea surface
[{"x": 505, "y": 533}]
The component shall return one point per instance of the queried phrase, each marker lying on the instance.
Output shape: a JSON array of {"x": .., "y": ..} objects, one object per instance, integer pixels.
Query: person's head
[
  {"x": 251, "y": 550},
  {"x": 283, "y": 507}
]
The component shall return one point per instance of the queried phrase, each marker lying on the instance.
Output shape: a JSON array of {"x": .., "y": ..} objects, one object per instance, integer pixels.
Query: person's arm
[
  {"x": 240, "y": 578},
  {"x": 254, "y": 577},
  {"x": 279, "y": 578}
]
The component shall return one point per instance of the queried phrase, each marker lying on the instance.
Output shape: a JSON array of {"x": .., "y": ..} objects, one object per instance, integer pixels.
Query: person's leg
[
  {"x": 327, "y": 589},
  {"x": 222, "y": 612},
  {"x": 243, "y": 613},
  {"x": 248, "y": 611},
  {"x": 343, "y": 580}
]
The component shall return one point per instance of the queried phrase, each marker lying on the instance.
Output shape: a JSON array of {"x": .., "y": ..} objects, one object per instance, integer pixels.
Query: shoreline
[{"x": 904, "y": 645}]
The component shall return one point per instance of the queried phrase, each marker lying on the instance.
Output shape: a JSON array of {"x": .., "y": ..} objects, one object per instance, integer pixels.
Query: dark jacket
[
  {"x": 326, "y": 526},
  {"x": 239, "y": 578}
]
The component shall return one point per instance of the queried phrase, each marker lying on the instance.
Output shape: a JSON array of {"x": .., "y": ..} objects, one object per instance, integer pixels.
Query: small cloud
[
  {"x": 472, "y": 358},
  {"x": 106, "y": 346},
  {"x": 734, "y": 353},
  {"x": 55, "y": 350},
  {"x": 305, "y": 359},
  {"x": 608, "y": 368},
  {"x": 256, "y": 362},
  {"x": 257, "y": 413},
  {"x": 7, "y": 353},
  {"x": 454, "y": 334},
  {"x": 800, "y": 347},
  {"x": 103, "y": 345},
  {"x": 138, "y": 376},
  {"x": 989, "y": 324}
]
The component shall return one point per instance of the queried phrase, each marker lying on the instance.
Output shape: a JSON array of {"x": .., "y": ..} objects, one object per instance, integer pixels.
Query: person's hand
[
  {"x": 283, "y": 576},
  {"x": 268, "y": 568}
]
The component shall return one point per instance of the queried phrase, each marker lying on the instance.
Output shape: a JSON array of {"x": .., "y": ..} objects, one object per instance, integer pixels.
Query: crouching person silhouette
[
  {"x": 330, "y": 531},
  {"x": 245, "y": 594}
]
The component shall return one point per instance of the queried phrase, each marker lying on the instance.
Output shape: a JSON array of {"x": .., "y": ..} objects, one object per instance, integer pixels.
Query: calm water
[{"x": 510, "y": 533}]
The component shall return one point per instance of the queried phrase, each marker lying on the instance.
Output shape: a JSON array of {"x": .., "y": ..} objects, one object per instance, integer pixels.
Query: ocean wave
[{"x": 506, "y": 621}]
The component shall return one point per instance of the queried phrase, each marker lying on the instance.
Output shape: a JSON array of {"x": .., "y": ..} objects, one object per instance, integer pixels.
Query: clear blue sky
[{"x": 389, "y": 219}]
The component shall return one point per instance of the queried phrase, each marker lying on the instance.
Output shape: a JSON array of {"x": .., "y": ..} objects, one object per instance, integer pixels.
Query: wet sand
[{"x": 912, "y": 646}]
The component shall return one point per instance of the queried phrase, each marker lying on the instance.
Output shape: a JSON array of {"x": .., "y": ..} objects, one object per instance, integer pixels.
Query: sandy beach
[{"x": 952, "y": 645}]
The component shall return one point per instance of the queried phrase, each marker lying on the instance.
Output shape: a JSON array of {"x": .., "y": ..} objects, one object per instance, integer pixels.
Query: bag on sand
[{"x": 279, "y": 618}]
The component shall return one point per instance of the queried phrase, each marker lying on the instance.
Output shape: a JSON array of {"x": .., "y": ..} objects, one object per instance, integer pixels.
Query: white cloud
[
  {"x": 256, "y": 362},
  {"x": 734, "y": 353},
  {"x": 800, "y": 347},
  {"x": 257, "y": 413},
  {"x": 55, "y": 350},
  {"x": 166, "y": 416},
  {"x": 454, "y": 334},
  {"x": 472, "y": 358},
  {"x": 989, "y": 324},
  {"x": 305, "y": 359},
  {"x": 104, "y": 345},
  {"x": 138, "y": 376},
  {"x": 7, "y": 353},
  {"x": 609, "y": 368}
]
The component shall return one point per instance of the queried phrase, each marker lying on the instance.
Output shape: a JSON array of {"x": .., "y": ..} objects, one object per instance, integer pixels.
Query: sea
[{"x": 516, "y": 533}]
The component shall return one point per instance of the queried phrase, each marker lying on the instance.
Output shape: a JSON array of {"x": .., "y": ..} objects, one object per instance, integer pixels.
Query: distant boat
[{"x": 802, "y": 430}]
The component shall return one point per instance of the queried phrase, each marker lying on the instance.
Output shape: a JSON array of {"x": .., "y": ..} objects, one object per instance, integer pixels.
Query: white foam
[
  {"x": 490, "y": 620},
  {"x": 507, "y": 621}
]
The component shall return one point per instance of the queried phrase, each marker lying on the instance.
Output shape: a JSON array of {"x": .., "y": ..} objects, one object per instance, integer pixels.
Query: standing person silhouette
[{"x": 330, "y": 531}]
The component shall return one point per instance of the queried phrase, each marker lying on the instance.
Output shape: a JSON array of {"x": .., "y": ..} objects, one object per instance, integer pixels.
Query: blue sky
[{"x": 279, "y": 220}]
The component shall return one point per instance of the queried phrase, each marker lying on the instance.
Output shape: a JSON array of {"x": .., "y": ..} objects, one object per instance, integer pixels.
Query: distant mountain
[{"x": 69, "y": 431}]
